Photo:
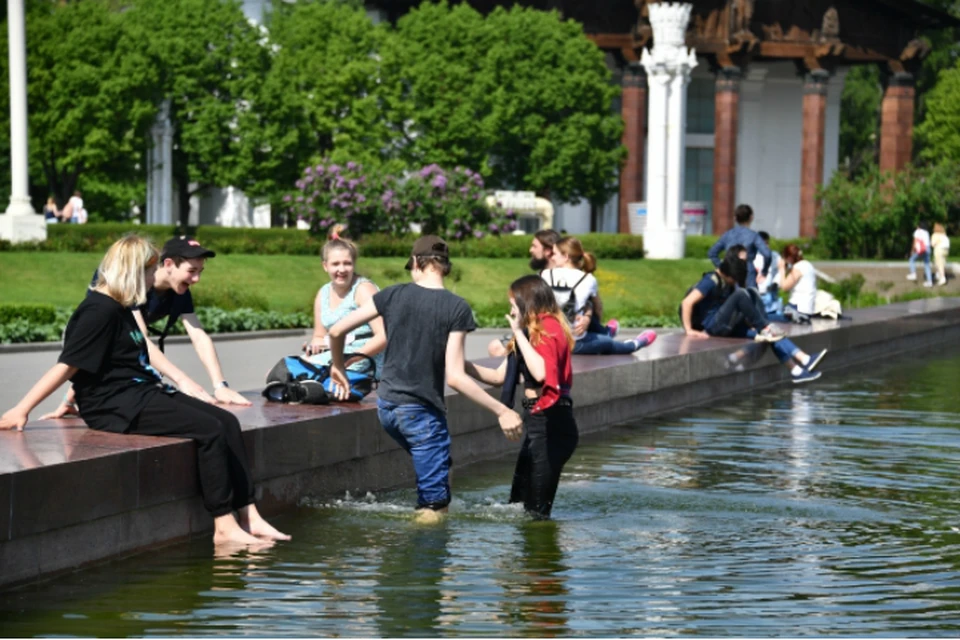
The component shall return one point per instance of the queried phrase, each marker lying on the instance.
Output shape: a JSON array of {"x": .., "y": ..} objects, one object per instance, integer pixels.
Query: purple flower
[
  {"x": 464, "y": 190},
  {"x": 287, "y": 198},
  {"x": 456, "y": 222},
  {"x": 439, "y": 182},
  {"x": 387, "y": 195},
  {"x": 299, "y": 198},
  {"x": 299, "y": 184},
  {"x": 429, "y": 169},
  {"x": 308, "y": 171},
  {"x": 351, "y": 166},
  {"x": 493, "y": 228},
  {"x": 319, "y": 169},
  {"x": 341, "y": 182},
  {"x": 361, "y": 198},
  {"x": 352, "y": 184},
  {"x": 308, "y": 179},
  {"x": 458, "y": 235},
  {"x": 478, "y": 234},
  {"x": 334, "y": 168}
]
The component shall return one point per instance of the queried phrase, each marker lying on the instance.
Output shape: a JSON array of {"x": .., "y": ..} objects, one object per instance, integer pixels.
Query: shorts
[{"x": 422, "y": 432}]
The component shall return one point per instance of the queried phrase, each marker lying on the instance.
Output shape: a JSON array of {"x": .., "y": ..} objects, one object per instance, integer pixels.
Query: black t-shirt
[
  {"x": 114, "y": 380},
  {"x": 160, "y": 305},
  {"x": 418, "y": 322}
]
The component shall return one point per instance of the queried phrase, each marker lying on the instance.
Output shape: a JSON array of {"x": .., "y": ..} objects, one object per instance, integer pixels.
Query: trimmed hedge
[{"x": 226, "y": 240}]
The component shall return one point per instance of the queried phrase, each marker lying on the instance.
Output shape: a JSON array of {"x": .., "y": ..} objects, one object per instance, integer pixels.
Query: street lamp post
[{"x": 20, "y": 223}]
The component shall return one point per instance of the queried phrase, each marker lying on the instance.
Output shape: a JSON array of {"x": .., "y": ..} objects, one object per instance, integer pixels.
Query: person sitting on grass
[
  {"x": 539, "y": 352},
  {"x": 720, "y": 306},
  {"x": 106, "y": 356},
  {"x": 346, "y": 292},
  {"x": 426, "y": 328},
  {"x": 575, "y": 288},
  {"x": 182, "y": 262}
]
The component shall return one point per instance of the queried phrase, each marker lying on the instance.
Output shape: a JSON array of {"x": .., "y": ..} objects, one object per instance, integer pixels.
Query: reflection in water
[
  {"x": 535, "y": 595},
  {"x": 409, "y": 591},
  {"x": 821, "y": 510}
]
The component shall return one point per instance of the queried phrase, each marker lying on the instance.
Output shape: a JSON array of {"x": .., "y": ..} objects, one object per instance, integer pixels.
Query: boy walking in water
[{"x": 426, "y": 329}]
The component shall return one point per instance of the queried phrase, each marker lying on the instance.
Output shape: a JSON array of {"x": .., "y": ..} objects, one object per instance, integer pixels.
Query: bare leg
[{"x": 252, "y": 521}]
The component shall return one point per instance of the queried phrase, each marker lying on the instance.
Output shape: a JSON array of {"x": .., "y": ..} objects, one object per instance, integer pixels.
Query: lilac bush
[{"x": 448, "y": 203}]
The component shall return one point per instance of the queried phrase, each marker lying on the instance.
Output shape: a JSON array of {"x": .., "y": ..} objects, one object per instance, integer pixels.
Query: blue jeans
[
  {"x": 597, "y": 344},
  {"x": 422, "y": 432},
  {"x": 926, "y": 265}
]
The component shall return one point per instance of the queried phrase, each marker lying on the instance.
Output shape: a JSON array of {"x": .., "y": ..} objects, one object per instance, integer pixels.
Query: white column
[
  {"x": 160, "y": 169},
  {"x": 20, "y": 223},
  {"x": 668, "y": 66}
]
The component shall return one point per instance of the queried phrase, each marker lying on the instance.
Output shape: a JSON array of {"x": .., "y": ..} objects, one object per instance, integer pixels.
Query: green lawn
[{"x": 629, "y": 288}]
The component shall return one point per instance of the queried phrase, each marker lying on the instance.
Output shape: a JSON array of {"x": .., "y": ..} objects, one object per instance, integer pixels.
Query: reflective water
[{"x": 830, "y": 509}]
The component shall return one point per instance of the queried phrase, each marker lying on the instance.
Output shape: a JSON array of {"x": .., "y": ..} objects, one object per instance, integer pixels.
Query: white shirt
[
  {"x": 567, "y": 278},
  {"x": 921, "y": 236},
  {"x": 78, "y": 215},
  {"x": 804, "y": 294}
]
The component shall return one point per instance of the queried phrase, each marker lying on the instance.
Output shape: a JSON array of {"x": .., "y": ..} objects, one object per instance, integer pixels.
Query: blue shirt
[
  {"x": 754, "y": 244},
  {"x": 715, "y": 292}
]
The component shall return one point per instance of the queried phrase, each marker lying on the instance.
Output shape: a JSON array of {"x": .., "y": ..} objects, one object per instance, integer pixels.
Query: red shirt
[{"x": 558, "y": 370}]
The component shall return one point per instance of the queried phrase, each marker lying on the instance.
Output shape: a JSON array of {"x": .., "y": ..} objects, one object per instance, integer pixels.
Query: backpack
[
  {"x": 294, "y": 380},
  {"x": 569, "y": 306}
]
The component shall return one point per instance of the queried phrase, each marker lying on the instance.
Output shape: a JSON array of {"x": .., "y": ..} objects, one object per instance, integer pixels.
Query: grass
[{"x": 630, "y": 288}]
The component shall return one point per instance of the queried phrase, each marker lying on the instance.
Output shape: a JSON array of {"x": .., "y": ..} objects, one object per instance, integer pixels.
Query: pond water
[{"x": 829, "y": 509}]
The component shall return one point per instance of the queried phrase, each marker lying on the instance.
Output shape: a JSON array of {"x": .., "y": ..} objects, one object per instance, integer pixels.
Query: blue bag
[{"x": 295, "y": 380}]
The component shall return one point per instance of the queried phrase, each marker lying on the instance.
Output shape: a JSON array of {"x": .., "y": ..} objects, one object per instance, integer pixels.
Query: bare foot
[
  {"x": 252, "y": 522},
  {"x": 235, "y": 537},
  {"x": 428, "y": 516}
]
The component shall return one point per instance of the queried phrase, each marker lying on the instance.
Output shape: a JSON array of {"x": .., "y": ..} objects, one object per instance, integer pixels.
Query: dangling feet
[
  {"x": 645, "y": 339},
  {"x": 228, "y": 533},
  {"x": 613, "y": 328},
  {"x": 253, "y": 522}
]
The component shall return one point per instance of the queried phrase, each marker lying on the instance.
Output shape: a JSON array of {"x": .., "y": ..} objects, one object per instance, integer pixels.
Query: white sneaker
[
  {"x": 770, "y": 334},
  {"x": 941, "y": 282},
  {"x": 911, "y": 276},
  {"x": 928, "y": 283}
]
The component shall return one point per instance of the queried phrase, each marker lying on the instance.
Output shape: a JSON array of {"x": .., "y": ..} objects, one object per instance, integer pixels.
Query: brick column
[
  {"x": 727, "y": 105},
  {"x": 634, "y": 111},
  {"x": 811, "y": 171},
  {"x": 896, "y": 122}
]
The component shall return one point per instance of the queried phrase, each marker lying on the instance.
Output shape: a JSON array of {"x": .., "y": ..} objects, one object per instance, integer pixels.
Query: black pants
[
  {"x": 738, "y": 313},
  {"x": 550, "y": 440},
  {"x": 225, "y": 480}
]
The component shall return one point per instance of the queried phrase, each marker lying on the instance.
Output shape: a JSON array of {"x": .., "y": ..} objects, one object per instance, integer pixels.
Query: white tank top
[{"x": 804, "y": 294}]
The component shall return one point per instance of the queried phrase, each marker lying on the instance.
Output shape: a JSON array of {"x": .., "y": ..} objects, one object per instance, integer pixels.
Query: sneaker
[
  {"x": 770, "y": 333},
  {"x": 806, "y": 376},
  {"x": 815, "y": 360},
  {"x": 928, "y": 283},
  {"x": 645, "y": 339},
  {"x": 941, "y": 282},
  {"x": 614, "y": 328},
  {"x": 911, "y": 276},
  {"x": 308, "y": 392}
]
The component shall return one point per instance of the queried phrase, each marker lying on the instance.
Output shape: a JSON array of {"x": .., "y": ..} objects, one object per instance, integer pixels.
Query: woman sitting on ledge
[{"x": 105, "y": 356}]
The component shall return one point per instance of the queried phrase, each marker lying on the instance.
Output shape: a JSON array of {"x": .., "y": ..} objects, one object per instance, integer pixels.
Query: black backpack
[{"x": 569, "y": 307}]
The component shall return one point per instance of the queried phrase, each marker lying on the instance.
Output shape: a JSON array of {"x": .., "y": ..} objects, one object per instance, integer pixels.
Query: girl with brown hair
[{"x": 539, "y": 352}]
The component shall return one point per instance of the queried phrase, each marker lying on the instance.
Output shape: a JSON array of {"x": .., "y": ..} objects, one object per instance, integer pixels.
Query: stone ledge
[{"x": 71, "y": 496}]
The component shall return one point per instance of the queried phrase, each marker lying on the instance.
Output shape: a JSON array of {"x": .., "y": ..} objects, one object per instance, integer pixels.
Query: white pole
[{"x": 20, "y": 222}]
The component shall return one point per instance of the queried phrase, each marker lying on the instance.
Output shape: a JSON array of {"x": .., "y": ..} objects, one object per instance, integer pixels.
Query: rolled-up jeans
[
  {"x": 742, "y": 316},
  {"x": 422, "y": 432}
]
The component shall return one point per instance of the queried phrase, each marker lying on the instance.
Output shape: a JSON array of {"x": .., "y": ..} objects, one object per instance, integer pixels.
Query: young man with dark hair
[
  {"x": 720, "y": 306},
  {"x": 426, "y": 328},
  {"x": 182, "y": 261},
  {"x": 742, "y": 234}
]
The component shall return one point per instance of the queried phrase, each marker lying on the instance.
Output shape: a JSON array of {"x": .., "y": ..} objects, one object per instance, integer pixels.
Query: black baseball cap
[
  {"x": 184, "y": 247},
  {"x": 428, "y": 246}
]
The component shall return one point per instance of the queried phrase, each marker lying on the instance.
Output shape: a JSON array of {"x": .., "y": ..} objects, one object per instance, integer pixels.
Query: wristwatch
[{"x": 221, "y": 385}]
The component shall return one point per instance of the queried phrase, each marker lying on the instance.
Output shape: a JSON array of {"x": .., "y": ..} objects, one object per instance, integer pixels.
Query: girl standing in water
[{"x": 540, "y": 352}]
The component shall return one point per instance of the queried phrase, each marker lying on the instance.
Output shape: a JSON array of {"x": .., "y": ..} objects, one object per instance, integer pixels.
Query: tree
[
  {"x": 324, "y": 97},
  {"x": 860, "y": 116},
  {"x": 521, "y": 95},
  {"x": 88, "y": 96},
  {"x": 940, "y": 130},
  {"x": 211, "y": 62}
]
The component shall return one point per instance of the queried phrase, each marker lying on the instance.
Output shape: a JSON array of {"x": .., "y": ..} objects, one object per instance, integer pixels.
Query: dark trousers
[
  {"x": 225, "y": 480},
  {"x": 739, "y": 313},
  {"x": 550, "y": 440}
]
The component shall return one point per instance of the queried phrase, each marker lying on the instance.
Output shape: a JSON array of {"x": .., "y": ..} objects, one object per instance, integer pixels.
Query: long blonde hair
[{"x": 121, "y": 273}]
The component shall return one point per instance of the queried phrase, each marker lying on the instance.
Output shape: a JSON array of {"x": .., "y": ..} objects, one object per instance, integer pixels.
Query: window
[
  {"x": 698, "y": 176},
  {"x": 700, "y": 105}
]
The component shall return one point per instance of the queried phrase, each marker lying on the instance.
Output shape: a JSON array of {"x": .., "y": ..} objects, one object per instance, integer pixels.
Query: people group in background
[
  {"x": 920, "y": 250},
  {"x": 72, "y": 213},
  {"x": 941, "y": 249}
]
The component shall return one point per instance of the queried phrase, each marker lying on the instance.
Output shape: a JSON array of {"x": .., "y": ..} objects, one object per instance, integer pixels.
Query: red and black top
[{"x": 558, "y": 370}]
